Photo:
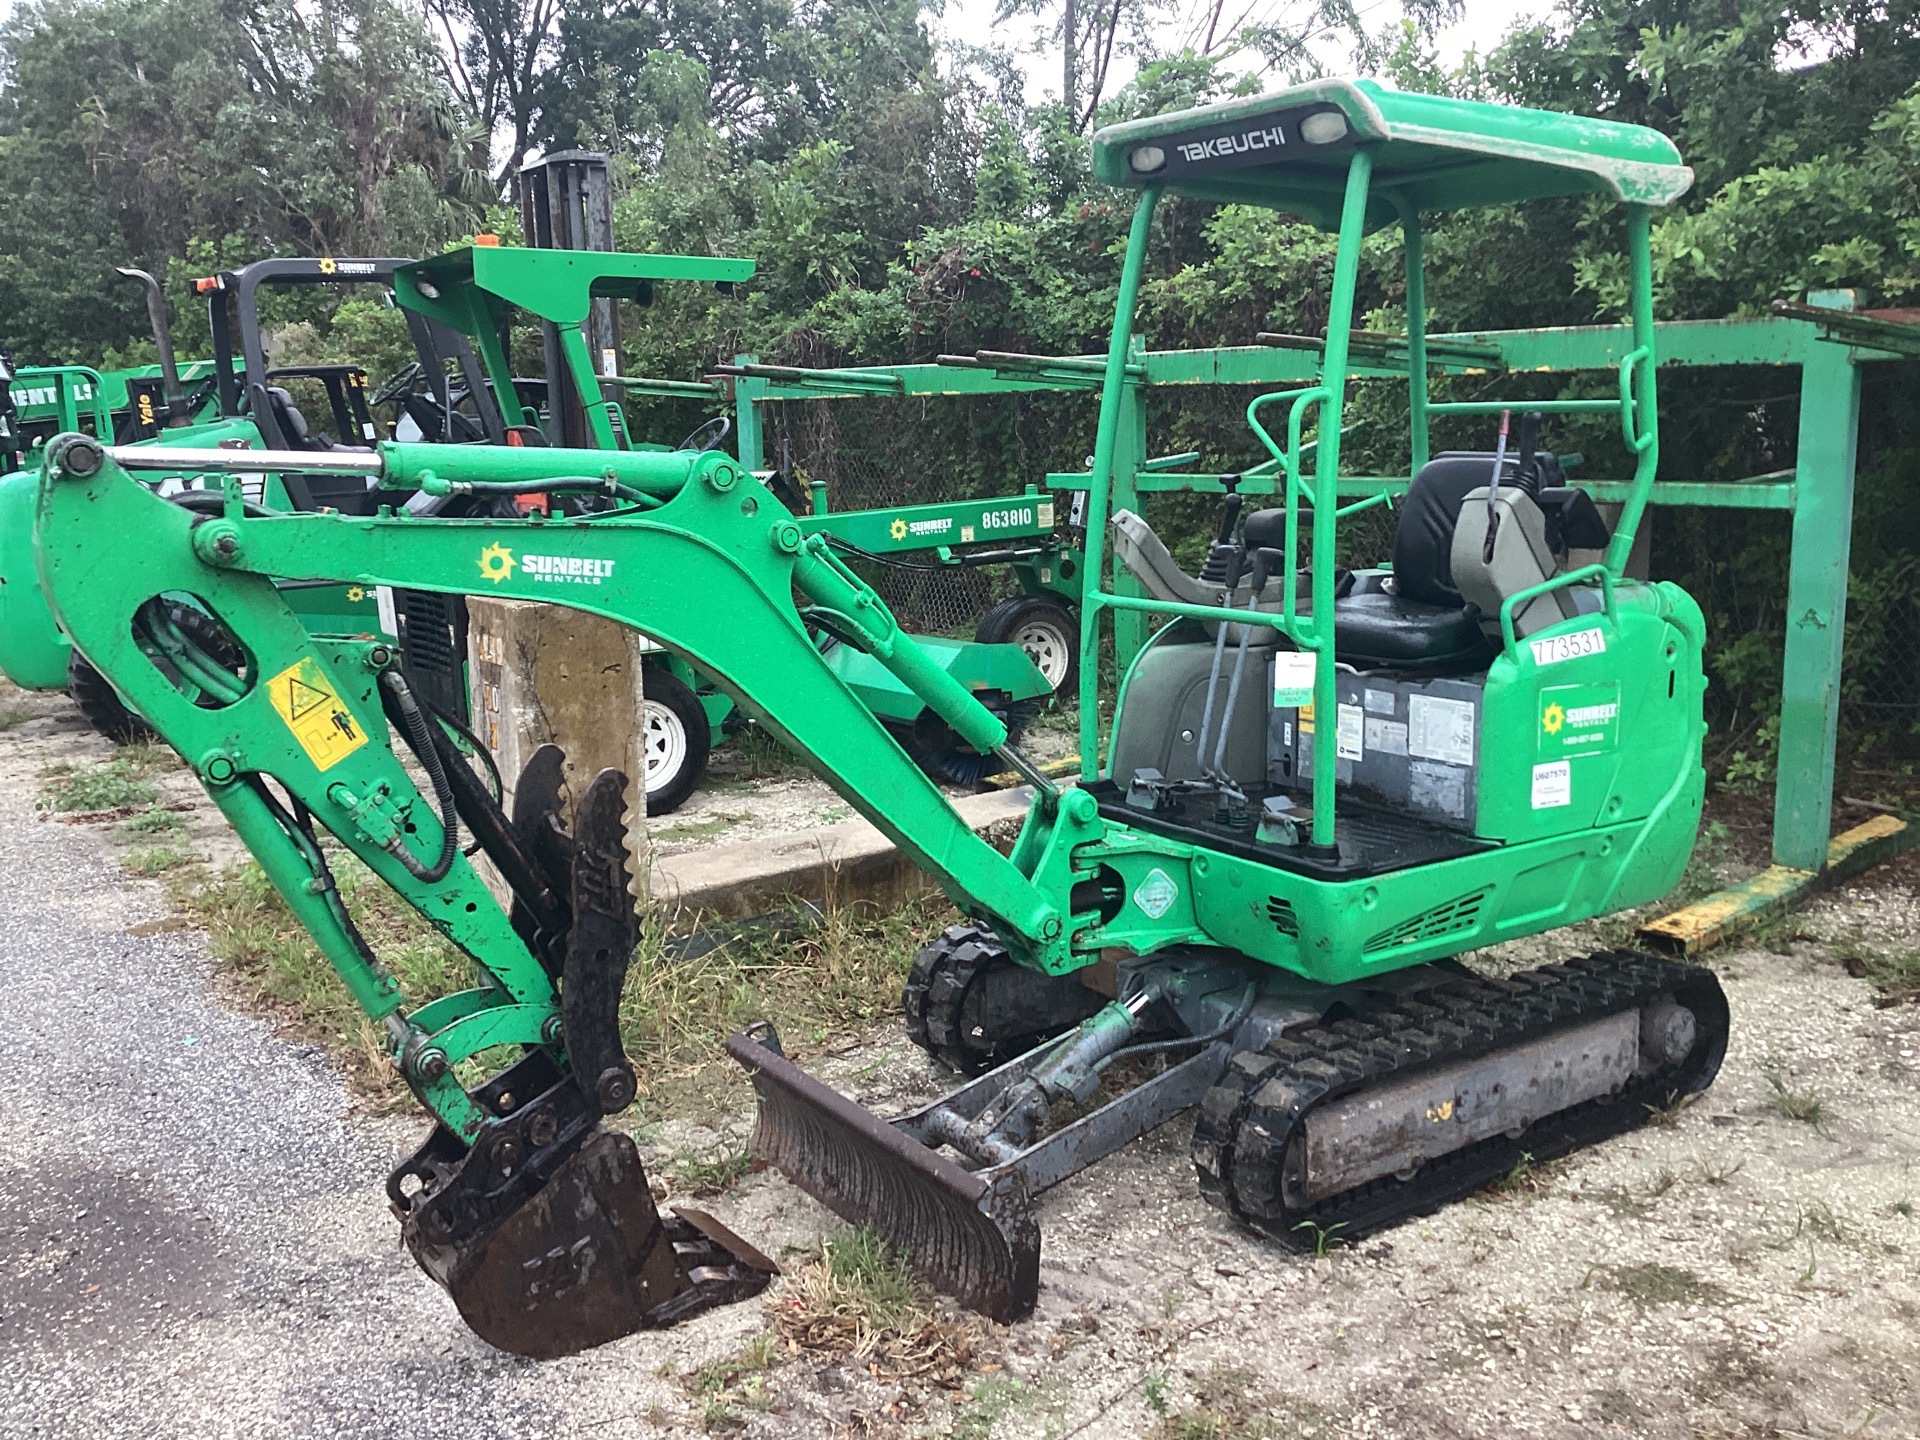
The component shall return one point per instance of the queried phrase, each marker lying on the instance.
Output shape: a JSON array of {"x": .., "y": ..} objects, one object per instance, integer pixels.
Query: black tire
[
  {"x": 677, "y": 740},
  {"x": 1046, "y": 629},
  {"x": 102, "y": 705},
  {"x": 948, "y": 1014}
]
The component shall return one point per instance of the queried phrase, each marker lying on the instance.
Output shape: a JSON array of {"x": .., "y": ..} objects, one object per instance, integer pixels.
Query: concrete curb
[{"x": 848, "y": 861}]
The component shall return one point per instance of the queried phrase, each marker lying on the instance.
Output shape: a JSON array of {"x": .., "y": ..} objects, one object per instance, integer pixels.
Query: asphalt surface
[{"x": 193, "y": 1234}]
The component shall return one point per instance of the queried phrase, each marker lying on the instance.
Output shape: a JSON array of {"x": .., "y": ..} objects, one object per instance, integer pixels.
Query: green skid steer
[{"x": 1323, "y": 788}]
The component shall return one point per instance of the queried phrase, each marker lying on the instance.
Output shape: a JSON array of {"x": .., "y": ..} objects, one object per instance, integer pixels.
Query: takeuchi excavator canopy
[{"x": 1288, "y": 150}]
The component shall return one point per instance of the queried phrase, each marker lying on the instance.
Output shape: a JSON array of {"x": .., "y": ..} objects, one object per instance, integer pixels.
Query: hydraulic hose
[{"x": 413, "y": 721}]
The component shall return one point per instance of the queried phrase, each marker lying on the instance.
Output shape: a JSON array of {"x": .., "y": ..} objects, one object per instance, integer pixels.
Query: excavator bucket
[
  {"x": 544, "y": 1229},
  {"x": 974, "y": 1236}
]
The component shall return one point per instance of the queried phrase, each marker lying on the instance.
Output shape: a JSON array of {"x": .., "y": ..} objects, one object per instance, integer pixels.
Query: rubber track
[
  {"x": 936, "y": 993},
  {"x": 1244, "y": 1123}
]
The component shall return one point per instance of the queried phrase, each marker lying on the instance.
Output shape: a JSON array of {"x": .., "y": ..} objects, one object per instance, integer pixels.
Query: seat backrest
[{"x": 1423, "y": 540}]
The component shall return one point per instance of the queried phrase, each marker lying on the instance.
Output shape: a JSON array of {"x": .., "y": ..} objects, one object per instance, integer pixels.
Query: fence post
[
  {"x": 748, "y": 431},
  {"x": 1816, "y": 600}
]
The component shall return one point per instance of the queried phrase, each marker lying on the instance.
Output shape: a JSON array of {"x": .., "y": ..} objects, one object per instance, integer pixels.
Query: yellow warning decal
[{"x": 322, "y": 724}]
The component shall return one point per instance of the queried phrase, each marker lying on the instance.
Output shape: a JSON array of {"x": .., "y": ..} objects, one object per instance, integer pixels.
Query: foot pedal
[{"x": 545, "y": 1232}]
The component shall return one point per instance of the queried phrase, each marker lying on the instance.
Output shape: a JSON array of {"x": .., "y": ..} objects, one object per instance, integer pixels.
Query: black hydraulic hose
[
  {"x": 214, "y": 502},
  {"x": 1145, "y": 1047},
  {"x": 473, "y": 743},
  {"x": 299, "y": 828},
  {"x": 420, "y": 740}
]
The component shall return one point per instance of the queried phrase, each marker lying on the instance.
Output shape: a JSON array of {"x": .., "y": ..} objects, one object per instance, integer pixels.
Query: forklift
[{"x": 1325, "y": 789}]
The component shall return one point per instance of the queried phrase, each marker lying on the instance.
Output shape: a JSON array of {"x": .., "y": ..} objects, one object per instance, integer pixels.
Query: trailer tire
[
  {"x": 677, "y": 740},
  {"x": 1046, "y": 629}
]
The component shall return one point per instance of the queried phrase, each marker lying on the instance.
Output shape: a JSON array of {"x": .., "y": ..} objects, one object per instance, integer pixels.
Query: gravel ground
[{"x": 192, "y": 1238}]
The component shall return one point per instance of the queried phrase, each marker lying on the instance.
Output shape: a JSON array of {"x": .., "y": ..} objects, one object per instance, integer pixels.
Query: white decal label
[
  {"x": 1555, "y": 648},
  {"x": 1440, "y": 729},
  {"x": 1553, "y": 785},
  {"x": 389, "y": 617},
  {"x": 1348, "y": 731},
  {"x": 1378, "y": 702},
  {"x": 1293, "y": 672},
  {"x": 1387, "y": 737},
  {"x": 1155, "y": 894}
]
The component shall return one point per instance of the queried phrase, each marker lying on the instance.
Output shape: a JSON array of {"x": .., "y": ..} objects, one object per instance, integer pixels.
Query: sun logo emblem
[
  {"x": 496, "y": 563},
  {"x": 327, "y": 265},
  {"x": 898, "y": 529},
  {"x": 1553, "y": 719},
  {"x": 355, "y": 594}
]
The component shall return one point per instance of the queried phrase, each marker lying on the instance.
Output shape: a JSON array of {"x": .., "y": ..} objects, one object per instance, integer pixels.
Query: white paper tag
[
  {"x": 1553, "y": 784},
  {"x": 1293, "y": 672},
  {"x": 1554, "y": 648},
  {"x": 1348, "y": 733},
  {"x": 1440, "y": 729},
  {"x": 389, "y": 617}
]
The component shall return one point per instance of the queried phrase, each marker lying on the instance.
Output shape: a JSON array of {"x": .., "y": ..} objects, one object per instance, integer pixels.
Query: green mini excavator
[{"x": 1322, "y": 787}]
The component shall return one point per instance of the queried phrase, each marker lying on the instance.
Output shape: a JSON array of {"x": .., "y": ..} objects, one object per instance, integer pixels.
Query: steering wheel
[
  {"x": 707, "y": 436},
  {"x": 397, "y": 385}
]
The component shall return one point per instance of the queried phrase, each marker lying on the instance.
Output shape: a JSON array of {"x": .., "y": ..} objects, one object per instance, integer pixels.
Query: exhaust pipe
[{"x": 170, "y": 385}]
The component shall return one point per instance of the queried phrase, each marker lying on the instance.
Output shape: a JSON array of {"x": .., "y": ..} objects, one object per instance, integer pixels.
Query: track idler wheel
[{"x": 971, "y": 1006}]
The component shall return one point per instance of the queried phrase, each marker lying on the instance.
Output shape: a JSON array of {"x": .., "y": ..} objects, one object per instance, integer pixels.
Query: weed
[
  {"x": 1154, "y": 1387},
  {"x": 1616, "y": 1407},
  {"x": 987, "y": 1406},
  {"x": 1620, "y": 1204},
  {"x": 1895, "y": 974},
  {"x": 1230, "y": 1405},
  {"x": 111, "y": 785},
  {"x": 1902, "y": 1208},
  {"x": 1803, "y": 1105},
  {"x": 1324, "y": 1238},
  {"x": 857, "y": 1299},
  {"x": 12, "y": 715},
  {"x": 1656, "y": 1284},
  {"x": 154, "y": 820},
  {"x": 1717, "y": 1172},
  {"x": 1528, "y": 1177},
  {"x": 738, "y": 1379},
  {"x": 700, "y": 829},
  {"x": 1670, "y": 1111},
  {"x": 1818, "y": 1222},
  {"x": 150, "y": 860},
  {"x": 711, "y": 1172},
  {"x": 1662, "y": 1183}
]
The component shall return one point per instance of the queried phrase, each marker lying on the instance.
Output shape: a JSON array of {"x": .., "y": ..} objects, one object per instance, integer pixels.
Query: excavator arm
[{"x": 536, "y": 1219}]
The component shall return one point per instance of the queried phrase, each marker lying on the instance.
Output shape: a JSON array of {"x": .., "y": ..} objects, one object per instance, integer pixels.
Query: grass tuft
[
  {"x": 151, "y": 860},
  {"x": 115, "y": 784},
  {"x": 1806, "y": 1106},
  {"x": 856, "y": 1299},
  {"x": 12, "y": 715},
  {"x": 1654, "y": 1284},
  {"x": 1895, "y": 974}
]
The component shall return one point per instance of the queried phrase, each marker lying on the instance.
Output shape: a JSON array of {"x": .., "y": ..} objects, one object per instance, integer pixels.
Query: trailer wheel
[
  {"x": 102, "y": 705},
  {"x": 1045, "y": 629},
  {"x": 677, "y": 740}
]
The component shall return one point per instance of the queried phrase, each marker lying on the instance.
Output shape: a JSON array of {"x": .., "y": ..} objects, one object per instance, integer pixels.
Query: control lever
[
  {"x": 1223, "y": 544},
  {"x": 1232, "y": 559},
  {"x": 1529, "y": 448},
  {"x": 1266, "y": 562},
  {"x": 1493, "y": 487}
]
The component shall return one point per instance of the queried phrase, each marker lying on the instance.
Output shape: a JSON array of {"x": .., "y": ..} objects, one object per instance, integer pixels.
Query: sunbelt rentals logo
[{"x": 497, "y": 563}]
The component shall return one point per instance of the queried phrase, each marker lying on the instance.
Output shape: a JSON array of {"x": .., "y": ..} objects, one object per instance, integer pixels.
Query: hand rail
[
  {"x": 1636, "y": 442},
  {"x": 1511, "y": 643}
]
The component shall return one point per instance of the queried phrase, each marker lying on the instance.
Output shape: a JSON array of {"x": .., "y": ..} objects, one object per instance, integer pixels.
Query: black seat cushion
[{"x": 1382, "y": 630}]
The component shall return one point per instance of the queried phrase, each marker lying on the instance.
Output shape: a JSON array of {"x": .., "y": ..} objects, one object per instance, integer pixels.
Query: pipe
[{"x": 163, "y": 342}]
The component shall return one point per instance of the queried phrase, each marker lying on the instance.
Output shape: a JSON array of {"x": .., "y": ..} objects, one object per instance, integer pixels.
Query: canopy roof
[{"x": 1288, "y": 150}]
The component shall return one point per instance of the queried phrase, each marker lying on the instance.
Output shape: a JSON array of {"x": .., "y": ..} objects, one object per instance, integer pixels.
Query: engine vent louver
[
  {"x": 1281, "y": 914},
  {"x": 1455, "y": 917}
]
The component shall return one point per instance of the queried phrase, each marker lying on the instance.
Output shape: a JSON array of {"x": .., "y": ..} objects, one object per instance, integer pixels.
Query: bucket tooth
[{"x": 973, "y": 1237}]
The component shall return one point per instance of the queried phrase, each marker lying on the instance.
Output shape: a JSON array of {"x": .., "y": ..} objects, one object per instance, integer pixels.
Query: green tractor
[{"x": 1321, "y": 792}]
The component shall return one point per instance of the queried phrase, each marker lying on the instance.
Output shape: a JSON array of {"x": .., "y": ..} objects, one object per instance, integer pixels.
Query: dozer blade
[
  {"x": 544, "y": 1230},
  {"x": 974, "y": 1237}
]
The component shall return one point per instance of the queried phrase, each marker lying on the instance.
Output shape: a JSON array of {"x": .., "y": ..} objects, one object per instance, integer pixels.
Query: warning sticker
[
  {"x": 1156, "y": 893},
  {"x": 1440, "y": 729},
  {"x": 1349, "y": 733},
  {"x": 1553, "y": 785},
  {"x": 1389, "y": 737},
  {"x": 325, "y": 728}
]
